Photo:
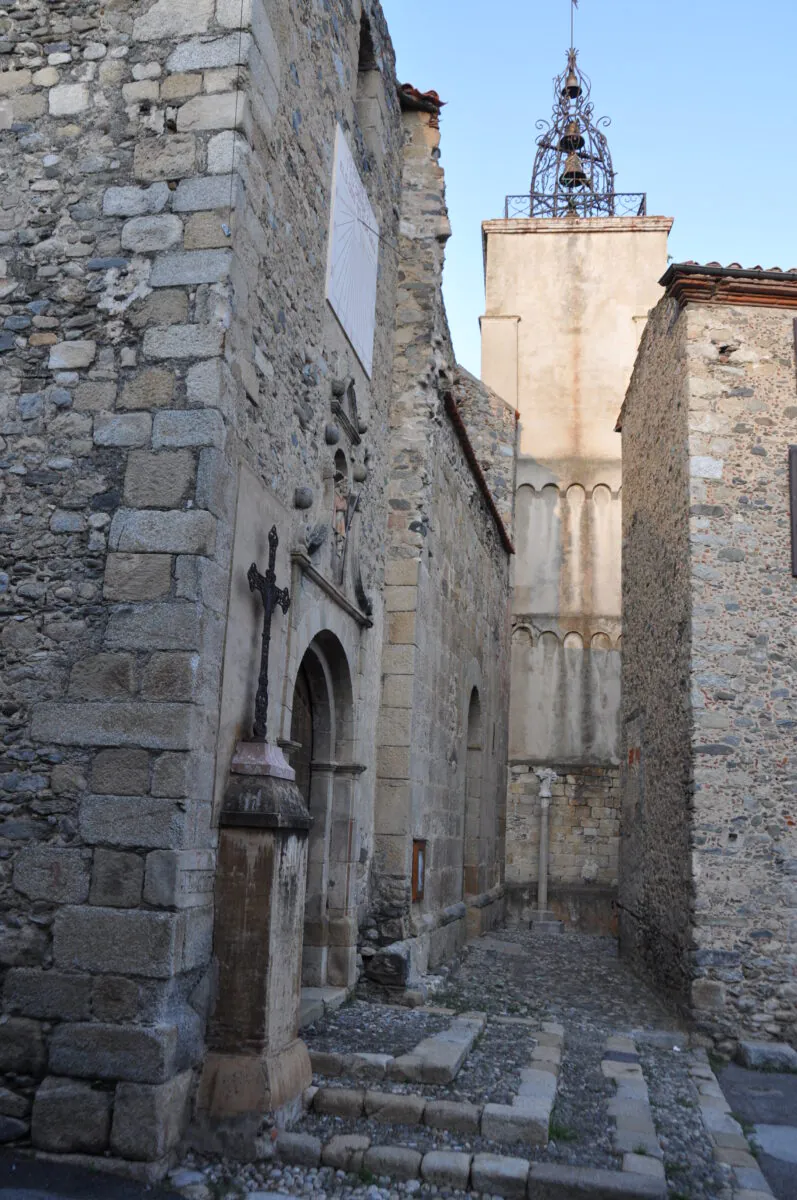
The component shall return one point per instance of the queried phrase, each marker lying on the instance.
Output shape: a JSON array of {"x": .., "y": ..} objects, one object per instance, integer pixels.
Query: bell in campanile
[
  {"x": 573, "y": 175},
  {"x": 572, "y": 138},
  {"x": 572, "y": 86}
]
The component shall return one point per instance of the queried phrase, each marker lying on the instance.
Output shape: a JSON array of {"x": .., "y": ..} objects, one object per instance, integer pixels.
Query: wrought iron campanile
[{"x": 573, "y": 172}]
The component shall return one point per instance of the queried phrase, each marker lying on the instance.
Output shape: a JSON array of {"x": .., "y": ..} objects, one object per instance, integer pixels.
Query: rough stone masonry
[
  {"x": 708, "y": 853},
  {"x": 172, "y": 382}
]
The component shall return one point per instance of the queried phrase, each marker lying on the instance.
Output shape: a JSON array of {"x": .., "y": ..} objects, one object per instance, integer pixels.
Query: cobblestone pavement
[{"x": 519, "y": 980}]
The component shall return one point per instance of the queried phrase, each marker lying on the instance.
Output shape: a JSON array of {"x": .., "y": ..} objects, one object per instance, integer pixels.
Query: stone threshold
[{"x": 495, "y": 1174}]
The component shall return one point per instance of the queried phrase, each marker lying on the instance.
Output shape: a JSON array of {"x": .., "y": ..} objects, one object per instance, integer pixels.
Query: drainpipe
[{"x": 543, "y": 918}]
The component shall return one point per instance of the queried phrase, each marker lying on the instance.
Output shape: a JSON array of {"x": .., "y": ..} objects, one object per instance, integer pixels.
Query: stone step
[{"x": 503, "y": 1175}]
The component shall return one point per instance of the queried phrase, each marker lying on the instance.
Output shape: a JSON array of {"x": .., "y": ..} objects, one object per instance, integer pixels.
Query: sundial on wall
[{"x": 353, "y": 255}]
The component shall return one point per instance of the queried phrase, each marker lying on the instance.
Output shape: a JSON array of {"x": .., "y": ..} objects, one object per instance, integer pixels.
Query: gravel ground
[
  {"x": 575, "y": 979},
  {"x": 373, "y": 1029},
  {"x": 229, "y": 1181},
  {"x": 688, "y": 1158}
]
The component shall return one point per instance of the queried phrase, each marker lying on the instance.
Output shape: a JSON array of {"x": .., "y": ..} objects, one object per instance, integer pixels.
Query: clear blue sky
[{"x": 703, "y": 102}]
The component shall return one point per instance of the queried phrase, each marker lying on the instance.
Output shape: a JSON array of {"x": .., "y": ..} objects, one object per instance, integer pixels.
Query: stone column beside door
[{"x": 257, "y": 1065}]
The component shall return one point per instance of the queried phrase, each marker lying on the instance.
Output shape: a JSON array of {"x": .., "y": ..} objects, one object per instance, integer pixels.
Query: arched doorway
[
  {"x": 472, "y": 840},
  {"x": 322, "y": 756},
  {"x": 302, "y": 733}
]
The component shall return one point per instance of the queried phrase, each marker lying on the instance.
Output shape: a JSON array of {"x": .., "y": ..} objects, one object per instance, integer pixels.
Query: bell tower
[{"x": 571, "y": 272}]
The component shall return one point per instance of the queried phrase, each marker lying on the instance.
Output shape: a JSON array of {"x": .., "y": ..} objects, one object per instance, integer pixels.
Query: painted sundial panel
[{"x": 353, "y": 255}]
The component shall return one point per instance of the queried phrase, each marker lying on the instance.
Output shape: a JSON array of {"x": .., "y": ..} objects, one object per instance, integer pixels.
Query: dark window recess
[
  {"x": 367, "y": 54},
  {"x": 418, "y": 870}
]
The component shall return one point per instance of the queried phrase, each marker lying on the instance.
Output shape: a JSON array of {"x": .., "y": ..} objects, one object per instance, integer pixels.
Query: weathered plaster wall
[
  {"x": 447, "y": 601},
  {"x": 580, "y": 292},
  {"x": 147, "y": 355},
  {"x": 715, "y": 392},
  {"x": 566, "y": 304}
]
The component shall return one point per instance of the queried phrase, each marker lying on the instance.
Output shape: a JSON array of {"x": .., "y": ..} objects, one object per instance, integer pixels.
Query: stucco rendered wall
[
  {"x": 156, "y": 343},
  {"x": 566, "y": 304},
  {"x": 708, "y": 670}
]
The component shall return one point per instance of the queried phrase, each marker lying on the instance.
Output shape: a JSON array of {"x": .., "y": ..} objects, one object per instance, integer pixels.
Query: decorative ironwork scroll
[
  {"x": 273, "y": 597},
  {"x": 573, "y": 173}
]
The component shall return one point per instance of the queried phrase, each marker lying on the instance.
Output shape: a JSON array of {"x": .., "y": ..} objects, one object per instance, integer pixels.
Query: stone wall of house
[
  {"x": 656, "y": 900},
  {"x": 163, "y": 237},
  {"x": 709, "y": 677},
  {"x": 443, "y": 722},
  {"x": 494, "y": 431}
]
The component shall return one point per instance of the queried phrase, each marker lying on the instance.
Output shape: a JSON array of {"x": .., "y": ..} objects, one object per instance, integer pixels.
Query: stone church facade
[{"x": 176, "y": 383}]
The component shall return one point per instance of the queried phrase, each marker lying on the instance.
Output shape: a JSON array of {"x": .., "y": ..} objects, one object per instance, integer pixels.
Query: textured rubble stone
[
  {"x": 70, "y": 356},
  {"x": 68, "y": 99}
]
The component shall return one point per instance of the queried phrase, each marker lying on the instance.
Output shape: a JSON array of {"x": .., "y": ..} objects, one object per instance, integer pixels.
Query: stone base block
[
  {"x": 242, "y": 1085},
  {"x": 143, "y": 1172},
  {"x": 149, "y": 1121},
  {"x": 71, "y": 1117}
]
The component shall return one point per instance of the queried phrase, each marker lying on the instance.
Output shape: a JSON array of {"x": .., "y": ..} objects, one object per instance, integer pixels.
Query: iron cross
[{"x": 272, "y": 597}]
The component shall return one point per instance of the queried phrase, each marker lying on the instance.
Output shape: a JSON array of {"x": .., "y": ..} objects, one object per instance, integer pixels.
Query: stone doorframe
[{"x": 329, "y": 954}]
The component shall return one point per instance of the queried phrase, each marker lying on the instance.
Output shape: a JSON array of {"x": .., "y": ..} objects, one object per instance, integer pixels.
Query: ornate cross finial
[{"x": 272, "y": 597}]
